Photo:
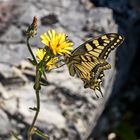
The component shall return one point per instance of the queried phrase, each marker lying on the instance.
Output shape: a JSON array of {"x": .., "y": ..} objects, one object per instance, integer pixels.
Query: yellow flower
[
  {"x": 51, "y": 63},
  {"x": 57, "y": 42}
]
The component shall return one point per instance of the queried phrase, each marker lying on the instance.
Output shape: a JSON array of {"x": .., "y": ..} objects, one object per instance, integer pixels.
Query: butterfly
[{"x": 88, "y": 61}]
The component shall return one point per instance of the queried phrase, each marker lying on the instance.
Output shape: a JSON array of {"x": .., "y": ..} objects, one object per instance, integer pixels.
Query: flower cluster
[{"x": 57, "y": 44}]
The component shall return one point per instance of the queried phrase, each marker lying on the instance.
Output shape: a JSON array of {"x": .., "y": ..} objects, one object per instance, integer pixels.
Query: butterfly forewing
[{"x": 99, "y": 47}]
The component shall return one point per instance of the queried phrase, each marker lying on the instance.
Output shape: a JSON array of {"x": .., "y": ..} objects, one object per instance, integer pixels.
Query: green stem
[
  {"x": 37, "y": 88},
  {"x": 30, "y": 50}
]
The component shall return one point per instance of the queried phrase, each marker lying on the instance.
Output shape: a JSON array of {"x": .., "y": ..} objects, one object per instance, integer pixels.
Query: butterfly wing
[
  {"x": 86, "y": 67},
  {"x": 99, "y": 47},
  {"x": 82, "y": 66},
  {"x": 88, "y": 61}
]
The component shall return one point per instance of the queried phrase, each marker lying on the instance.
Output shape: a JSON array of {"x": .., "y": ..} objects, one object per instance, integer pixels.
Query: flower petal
[{"x": 57, "y": 42}]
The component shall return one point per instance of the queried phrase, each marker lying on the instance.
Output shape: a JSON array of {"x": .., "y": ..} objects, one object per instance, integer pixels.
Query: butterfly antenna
[
  {"x": 96, "y": 94},
  {"x": 99, "y": 89}
]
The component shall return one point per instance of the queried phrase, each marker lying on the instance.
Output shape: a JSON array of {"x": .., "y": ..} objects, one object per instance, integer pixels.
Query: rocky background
[{"x": 68, "y": 111}]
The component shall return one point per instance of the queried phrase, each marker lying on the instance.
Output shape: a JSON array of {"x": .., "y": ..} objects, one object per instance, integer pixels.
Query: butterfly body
[{"x": 88, "y": 61}]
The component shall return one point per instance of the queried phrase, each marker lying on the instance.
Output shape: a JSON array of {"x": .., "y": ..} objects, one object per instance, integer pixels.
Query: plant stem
[
  {"x": 37, "y": 88},
  {"x": 30, "y": 50}
]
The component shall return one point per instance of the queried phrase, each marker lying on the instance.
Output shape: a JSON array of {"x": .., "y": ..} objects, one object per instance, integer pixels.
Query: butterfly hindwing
[
  {"x": 83, "y": 66},
  {"x": 95, "y": 82}
]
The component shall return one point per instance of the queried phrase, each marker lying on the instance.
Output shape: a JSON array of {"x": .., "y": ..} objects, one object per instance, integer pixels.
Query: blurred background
[{"x": 68, "y": 111}]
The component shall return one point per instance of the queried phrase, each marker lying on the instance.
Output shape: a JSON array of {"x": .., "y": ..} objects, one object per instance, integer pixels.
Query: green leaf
[
  {"x": 125, "y": 132},
  {"x": 40, "y": 134}
]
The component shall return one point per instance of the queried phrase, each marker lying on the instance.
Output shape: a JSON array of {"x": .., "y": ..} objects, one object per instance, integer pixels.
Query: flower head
[
  {"x": 51, "y": 63},
  {"x": 57, "y": 42}
]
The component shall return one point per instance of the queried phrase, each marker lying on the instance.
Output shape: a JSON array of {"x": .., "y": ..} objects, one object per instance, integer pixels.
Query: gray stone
[
  {"x": 13, "y": 53},
  {"x": 102, "y": 18},
  {"x": 5, "y": 126},
  {"x": 67, "y": 109},
  {"x": 13, "y": 35}
]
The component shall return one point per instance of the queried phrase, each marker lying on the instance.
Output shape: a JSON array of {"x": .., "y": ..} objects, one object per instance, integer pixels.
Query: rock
[
  {"x": 24, "y": 18},
  {"x": 67, "y": 109},
  {"x": 13, "y": 35},
  {"x": 53, "y": 115},
  {"x": 101, "y": 20},
  {"x": 125, "y": 95},
  {"x": 13, "y": 53},
  {"x": 49, "y": 19},
  {"x": 4, "y": 123},
  {"x": 6, "y": 6}
]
